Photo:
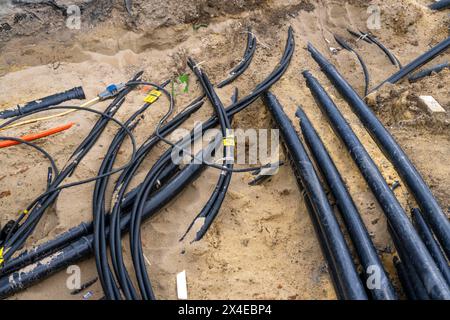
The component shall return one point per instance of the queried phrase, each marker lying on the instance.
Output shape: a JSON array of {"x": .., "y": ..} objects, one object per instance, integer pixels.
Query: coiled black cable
[{"x": 244, "y": 63}]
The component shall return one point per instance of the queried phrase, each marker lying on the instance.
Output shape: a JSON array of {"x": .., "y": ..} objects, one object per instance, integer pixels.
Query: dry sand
[{"x": 262, "y": 245}]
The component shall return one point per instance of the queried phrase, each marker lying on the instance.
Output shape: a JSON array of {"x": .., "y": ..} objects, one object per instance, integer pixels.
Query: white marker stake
[
  {"x": 182, "y": 285},
  {"x": 431, "y": 104}
]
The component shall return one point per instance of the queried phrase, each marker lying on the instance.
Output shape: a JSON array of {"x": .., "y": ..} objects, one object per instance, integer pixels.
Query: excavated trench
[{"x": 262, "y": 245}]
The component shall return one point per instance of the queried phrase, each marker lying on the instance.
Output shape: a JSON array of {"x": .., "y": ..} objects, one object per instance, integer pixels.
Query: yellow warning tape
[
  {"x": 228, "y": 141},
  {"x": 1, "y": 255},
  {"x": 152, "y": 96}
]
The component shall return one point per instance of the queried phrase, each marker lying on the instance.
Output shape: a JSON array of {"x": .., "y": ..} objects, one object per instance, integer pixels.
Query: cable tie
[
  {"x": 198, "y": 64},
  {"x": 257, "y": 40},
  {"x": 363, "y": 36}
]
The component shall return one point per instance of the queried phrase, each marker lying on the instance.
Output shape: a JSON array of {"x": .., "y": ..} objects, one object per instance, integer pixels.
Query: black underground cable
[
  {"x": 373, "y": 40},
  {"x": 244, "y": 63},
  {"x": 424, "y": 197},
  {"x": 420, "y": 257},
  {"x": 392, "y": 57},
  {"x": 412, "y": 278},
  {"x": 347, "y": 46},
  {"x": 405, "y": 280},
  {"x": 43, "y": 103},
  {"x": 212, "y": 207},
  {"x": 348, "y": 278},
  {"x": 210, "y": 201},
  {"x": 323, "y": 244},
  {"x": 427, "y": 236},
  {"x": 109, "y": 286},
  {"x": 428, "y": 71},
  {"x": 417, "y": 63},
  {"x": 355, "y": 226}
]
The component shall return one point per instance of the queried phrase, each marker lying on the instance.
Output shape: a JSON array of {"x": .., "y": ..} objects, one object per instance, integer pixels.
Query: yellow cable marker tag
[
  {"x": 228, "y": 141},
  {"x": 1, "y": 255},
  {"x": 25, "y": 212},
  {"x": 152, "y": 96}
]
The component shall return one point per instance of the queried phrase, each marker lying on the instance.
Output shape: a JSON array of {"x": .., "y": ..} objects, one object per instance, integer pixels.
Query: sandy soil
[{"x": 262, "y": 245}]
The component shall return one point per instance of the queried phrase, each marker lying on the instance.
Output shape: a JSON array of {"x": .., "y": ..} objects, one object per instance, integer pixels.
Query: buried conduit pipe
[
  {"x": 417, "y": 63},
  {"x": 411, "y": 277},
  {"x": 421, "y": 259},
  {"x": 348, "y": 279},
  {"x": 367, "y": 253},
  {"x": 440, "y": 5},
  {"x": 323, "y": 244},
  {"x": 428, "y": 71},
  {"x": 371, "y": 39},
  {"x": 428, "y": 238},
  {"x": 409, "y": 174},
  {"x": 349, "y": 48},
  {"x": 404, "y": 279},
  {"x": 212, "y": 207}
]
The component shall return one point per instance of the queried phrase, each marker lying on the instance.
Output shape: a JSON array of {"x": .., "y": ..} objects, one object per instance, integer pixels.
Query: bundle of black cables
[
  {"x": 122, "y": 214},
  {"x": 244, "y": 63},
  {"x": 83, "y": 229},
  {"x": 121, "y": 203},
  {"x": 161, "y": 171},
  {"x": 211, "y": 209},
  {"x": 34, "y": 212},
  {"x": 163, "y": 163}
]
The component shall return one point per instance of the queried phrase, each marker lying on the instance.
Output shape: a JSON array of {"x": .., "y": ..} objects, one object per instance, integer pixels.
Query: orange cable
[{"x": 35, "y": 136}]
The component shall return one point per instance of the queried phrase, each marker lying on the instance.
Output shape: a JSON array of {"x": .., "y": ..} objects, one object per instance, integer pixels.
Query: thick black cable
[
  {"x": 420, "y": 258},
  {"x": 433, "y": 213},
  {"x": 348, "y": 278},
  {"x": 347, "y": 46},
  {"x": 244, "y": 63},
  {"x": 355, "y": 226}
]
